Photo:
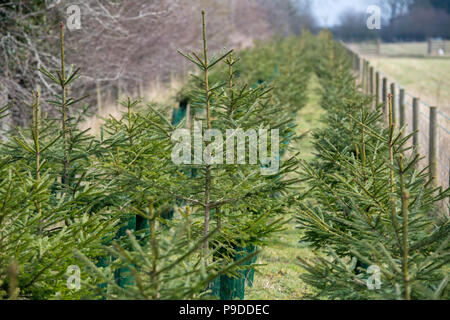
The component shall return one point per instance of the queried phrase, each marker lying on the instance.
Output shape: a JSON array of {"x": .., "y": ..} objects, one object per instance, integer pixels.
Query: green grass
[
  {"x": 309, "y": 119},
  {"x": 407, "y": 48},
  {"x": 279, "y": 277}
]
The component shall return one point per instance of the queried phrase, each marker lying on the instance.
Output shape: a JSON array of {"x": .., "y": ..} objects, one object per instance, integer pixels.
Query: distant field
[{"x": 408, "y": 48}]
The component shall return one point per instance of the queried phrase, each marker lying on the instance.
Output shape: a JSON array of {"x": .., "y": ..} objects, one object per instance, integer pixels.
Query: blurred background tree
[{"x": 403, "y": 20}]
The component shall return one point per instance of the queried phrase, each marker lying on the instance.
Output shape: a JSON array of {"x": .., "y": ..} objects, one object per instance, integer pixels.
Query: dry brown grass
[{"x": 157, "y": 92}]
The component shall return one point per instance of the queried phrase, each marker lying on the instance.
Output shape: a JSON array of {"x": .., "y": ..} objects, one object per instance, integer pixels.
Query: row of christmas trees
[
  {"x": 114, "y": 217},
  {"x": 376, "y": 222}
]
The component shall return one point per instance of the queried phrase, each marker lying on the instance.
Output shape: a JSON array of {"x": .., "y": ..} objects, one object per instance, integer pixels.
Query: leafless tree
[
  {"x": 124, "y": 43},
  {"x": 395, "y": 7}
]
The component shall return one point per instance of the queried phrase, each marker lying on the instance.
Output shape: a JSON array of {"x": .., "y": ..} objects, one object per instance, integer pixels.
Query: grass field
[
  {"x": 408, "y": 48},
  {"x": 278, "y": 278}
]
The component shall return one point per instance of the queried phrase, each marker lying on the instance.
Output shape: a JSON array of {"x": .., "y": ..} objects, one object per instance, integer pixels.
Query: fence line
[
  {"x": 433, "y": 140},
  {"x": 431, "y": 47},
  {"x": 437, "y": 46}
]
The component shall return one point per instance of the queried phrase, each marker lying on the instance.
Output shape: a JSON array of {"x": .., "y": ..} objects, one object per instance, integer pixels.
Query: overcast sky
[{"x": 328, "y": 11}]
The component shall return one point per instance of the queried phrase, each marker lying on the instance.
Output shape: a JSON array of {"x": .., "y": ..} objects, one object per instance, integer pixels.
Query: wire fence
[{"x": 433, "y": 125}]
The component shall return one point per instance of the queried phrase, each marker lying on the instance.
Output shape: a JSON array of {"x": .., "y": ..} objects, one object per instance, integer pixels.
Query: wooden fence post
[
  {"x": 367, "y": 78},
  {"x": 353, "y": 58},
  {"x": 385, "y": 96},
  {"x": 401, "y": 105},
  {"x": 99, "y": 98},
  {"x": 394, "y": 112},
  {"x": 416, "y": 126},
  {"x": 364, "y": 76},
  {"x": 360, "y": 62},
  {"x": 430, "y": 46},
  {"x": 119, "y": 92},
  {"x": 371, "y": 82},
  {"x": 378, "y": 46},
  {"x": 141, "y": 88},
  {"x": 360, "y": 67},
  {"x": 433, "y": 146},
  {"x": 354, "y": 63},
  {"x": 377, "y": 89}
]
